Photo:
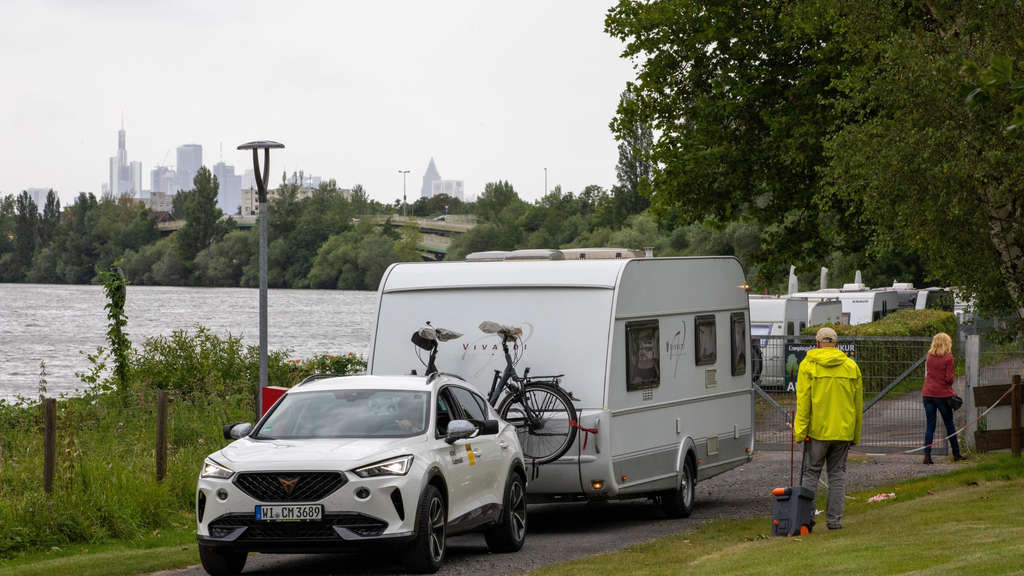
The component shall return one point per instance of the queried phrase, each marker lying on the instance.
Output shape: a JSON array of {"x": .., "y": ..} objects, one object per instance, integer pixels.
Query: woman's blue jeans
[{"x": 942, "y": 405}]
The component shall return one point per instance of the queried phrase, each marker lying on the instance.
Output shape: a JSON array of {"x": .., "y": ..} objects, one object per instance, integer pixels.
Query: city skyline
[{"x": 492, "y": 92}]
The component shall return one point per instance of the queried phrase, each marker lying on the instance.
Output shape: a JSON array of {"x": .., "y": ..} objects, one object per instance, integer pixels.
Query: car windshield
[{"x": 347, "y": 414}]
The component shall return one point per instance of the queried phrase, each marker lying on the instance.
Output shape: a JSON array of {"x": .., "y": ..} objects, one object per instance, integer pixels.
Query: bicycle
[
  {"x": 426, "y": 338},
  {"x": 542, "y": 412}
]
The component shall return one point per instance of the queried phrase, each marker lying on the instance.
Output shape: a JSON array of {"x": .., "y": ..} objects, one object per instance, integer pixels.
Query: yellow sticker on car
[{"x": 469, "y": 453}]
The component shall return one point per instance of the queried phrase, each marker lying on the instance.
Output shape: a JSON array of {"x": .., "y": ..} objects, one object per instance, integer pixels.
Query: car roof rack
[{"x": 318, "y": 376}]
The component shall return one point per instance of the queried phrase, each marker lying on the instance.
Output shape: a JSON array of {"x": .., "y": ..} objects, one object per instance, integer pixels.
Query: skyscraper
[
  {"x": 229, "y": 195},
  {"x": 163, "y": 179},
  {"x": 190, "y": 160},
  {"x": 428, "y": 180},
  {"x": 125, "y": 178}
]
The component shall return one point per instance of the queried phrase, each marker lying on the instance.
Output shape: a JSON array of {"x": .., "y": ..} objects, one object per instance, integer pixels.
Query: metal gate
[{"x": 892, "y": 369}]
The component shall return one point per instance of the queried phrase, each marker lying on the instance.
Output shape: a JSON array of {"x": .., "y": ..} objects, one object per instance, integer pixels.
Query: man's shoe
[
  {"x": 928, "y": 459},
  {"x": 835, "y": 526},
  {"x": 959, "y": 457}
]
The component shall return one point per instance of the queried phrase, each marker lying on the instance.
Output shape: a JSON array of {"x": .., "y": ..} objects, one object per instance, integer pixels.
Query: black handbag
[{"x": 955, "y": 402}]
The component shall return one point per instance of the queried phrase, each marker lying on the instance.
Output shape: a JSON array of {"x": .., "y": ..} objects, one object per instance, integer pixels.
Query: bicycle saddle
[
  {"x": 428, "y": 332},
  {"x": 489, "y": 327}
]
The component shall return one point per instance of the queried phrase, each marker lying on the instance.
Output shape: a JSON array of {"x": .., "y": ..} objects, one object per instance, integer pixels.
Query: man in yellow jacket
[{"x": 829, "y": 403}]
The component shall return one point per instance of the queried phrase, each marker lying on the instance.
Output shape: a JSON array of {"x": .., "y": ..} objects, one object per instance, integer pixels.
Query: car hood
[{"x": 320, "y": 453}]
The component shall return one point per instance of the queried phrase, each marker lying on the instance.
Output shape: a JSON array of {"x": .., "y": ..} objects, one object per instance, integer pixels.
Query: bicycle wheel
[{"x": 551, "y": 431}]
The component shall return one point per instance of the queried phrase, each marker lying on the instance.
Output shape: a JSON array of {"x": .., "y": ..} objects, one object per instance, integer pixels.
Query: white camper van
[{"x": 656, "y": 351}]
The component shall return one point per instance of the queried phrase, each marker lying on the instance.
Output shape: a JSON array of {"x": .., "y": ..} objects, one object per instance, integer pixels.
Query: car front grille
[
  {"x": 261, "y": 531},
  {"x": 289, "y": 486}
]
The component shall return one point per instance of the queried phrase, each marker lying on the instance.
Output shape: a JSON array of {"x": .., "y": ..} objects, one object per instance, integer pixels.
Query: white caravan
[
  {"x": 824, "y": 312},
  {"x": 775, "y": 316},
  {"x": 860, "y": 305},
  {"x": 655, "y": 350}
]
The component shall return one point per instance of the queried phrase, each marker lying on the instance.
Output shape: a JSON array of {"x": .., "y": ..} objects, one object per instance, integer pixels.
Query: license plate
[{"x": 291, "y": 513}]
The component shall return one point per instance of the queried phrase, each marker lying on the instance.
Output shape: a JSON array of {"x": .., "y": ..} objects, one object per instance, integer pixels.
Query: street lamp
[
  {"x": 403, "y": 173},
  {"x": 261, "y": 188}
]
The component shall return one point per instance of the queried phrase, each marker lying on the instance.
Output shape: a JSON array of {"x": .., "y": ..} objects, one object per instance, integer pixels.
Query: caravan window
[
  {"x": 739, "y": 344},
  {"x": 789, "y": 329},
  {"x": 706, "y": 347},
  {"x": 643, "y": 355}
]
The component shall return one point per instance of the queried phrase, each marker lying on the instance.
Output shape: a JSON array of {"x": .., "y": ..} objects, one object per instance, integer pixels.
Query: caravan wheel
[{"x": 679, "y": 502}]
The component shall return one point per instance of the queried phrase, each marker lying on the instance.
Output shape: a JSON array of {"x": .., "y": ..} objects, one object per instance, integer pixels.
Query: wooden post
[
  {"x": 1015, "y": 397},
  {"x": 49, "y": 442},
  {"x": 161, "y": 435}
]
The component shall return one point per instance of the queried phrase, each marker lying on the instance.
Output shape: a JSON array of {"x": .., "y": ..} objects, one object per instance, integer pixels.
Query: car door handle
[{"x": 504, "y": 445}]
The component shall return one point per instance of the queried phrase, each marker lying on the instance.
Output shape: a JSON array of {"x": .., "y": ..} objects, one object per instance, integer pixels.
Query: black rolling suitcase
[{"x": 793, "y": 507}]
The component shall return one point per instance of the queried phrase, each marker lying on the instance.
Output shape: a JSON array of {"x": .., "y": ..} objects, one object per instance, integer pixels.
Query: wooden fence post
[
  {"x": 49, "y": 442},
  {"x": 1015, "y": 397},
  {"x": 161, "y": 435}
]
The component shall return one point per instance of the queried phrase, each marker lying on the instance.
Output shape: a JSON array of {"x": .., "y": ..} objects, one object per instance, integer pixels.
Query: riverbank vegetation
[{"x": 105, "y": 485}]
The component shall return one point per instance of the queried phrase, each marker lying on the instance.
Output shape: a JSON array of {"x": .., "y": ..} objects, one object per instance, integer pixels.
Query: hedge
[
  {"x": 900, "y": 323},
  {"x": 881, "y": 361}
]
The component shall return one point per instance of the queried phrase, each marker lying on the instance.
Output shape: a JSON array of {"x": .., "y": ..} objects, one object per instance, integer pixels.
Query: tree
[
  {"x": 26, "y": 232},
  {"x": 844, "y": 129},
  {"x": 496, "y": 197},
  {"x": 740, "y": 95},
  {"x": 51, "y": 219},
  {"x": 634, "y": 166},
  {"x": 931, "y": 155},
  {"x": 203, "y": 224}
]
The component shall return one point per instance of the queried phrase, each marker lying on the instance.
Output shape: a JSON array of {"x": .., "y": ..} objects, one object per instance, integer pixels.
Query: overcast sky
[{"x": 355, "y": 90}]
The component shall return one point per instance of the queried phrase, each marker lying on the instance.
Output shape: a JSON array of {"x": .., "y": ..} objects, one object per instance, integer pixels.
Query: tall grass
[{"x": 105, "y": 485}]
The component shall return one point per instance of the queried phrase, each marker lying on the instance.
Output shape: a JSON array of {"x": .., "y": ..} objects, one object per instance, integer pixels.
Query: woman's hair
[{"x": 941, "y": 344}]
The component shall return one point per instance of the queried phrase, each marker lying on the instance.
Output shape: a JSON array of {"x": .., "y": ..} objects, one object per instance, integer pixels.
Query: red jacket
[{"x": 938, "y": 381}]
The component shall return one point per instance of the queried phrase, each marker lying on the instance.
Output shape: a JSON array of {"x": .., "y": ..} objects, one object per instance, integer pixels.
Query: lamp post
[
  {"x": 261, "y": 188},
  {"x": 403, "y": 173}
]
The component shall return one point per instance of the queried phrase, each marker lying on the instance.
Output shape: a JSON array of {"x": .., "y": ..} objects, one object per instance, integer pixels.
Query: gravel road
[{"x": 565, "y": 531}]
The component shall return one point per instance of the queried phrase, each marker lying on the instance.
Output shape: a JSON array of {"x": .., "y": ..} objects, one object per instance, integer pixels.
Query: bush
[
  {"x": 105, "y": 485},
  {"x": 900, "y": 323}
]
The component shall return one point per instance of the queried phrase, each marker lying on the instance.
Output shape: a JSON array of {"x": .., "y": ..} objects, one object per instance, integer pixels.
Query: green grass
[
  {"x": 163, "y": 551},
  {"x": 969, "y": 521}
]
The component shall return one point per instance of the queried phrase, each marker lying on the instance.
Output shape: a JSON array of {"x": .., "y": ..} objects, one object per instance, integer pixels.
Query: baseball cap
[{"x": 826, "y": 334}]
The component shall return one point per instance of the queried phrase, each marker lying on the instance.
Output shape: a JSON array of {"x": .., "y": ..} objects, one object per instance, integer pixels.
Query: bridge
[{"x": 436, "y": 235}]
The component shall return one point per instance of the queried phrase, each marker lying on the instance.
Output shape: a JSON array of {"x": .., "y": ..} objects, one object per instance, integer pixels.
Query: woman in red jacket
[{"x": 936, "y": 392}]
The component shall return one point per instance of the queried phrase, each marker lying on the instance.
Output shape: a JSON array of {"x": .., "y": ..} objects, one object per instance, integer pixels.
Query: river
[{"x": 58, "y": 324}]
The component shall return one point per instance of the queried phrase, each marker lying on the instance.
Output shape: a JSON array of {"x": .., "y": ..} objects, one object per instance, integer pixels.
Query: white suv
[{"x": 349, "y": 461}]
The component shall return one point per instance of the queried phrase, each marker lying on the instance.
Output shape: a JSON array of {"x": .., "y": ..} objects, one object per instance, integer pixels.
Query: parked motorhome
[
  {"x": 656, "y": 351},
  {"x": 775, "y": 316}
]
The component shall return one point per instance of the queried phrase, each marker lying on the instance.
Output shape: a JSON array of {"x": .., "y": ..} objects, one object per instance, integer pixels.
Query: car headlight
[
  {"x": 393, "y": 467},
  {"x": 213, "y": 470}
]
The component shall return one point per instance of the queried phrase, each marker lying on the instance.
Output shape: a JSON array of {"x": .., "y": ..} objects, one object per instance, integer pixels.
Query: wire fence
[{"x": 892, "y": 371}]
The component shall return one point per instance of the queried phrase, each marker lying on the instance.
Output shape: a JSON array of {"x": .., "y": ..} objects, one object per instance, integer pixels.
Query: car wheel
[
  {"x": 222, "y": 561},
  {"x": 426, "y": 552},
  {"x": 509, "y": 533},
  {"x": 679, "y": 502}
]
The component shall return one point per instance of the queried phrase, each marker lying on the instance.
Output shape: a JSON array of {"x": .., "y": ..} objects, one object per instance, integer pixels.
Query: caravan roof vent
[
  {"x": 535, "y": 254},
  {"x": 902, "y": 285},
  {"x": 488, "y": 256}
]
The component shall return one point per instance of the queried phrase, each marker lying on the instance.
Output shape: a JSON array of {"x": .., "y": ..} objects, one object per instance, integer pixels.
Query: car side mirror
[
  {"x": 490, "y": 427},
  {"x": 236, "y": 431},
  {"x": 460, "y": 430}
]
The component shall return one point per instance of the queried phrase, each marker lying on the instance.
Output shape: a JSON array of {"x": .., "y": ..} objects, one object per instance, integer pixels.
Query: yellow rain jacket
[{"x": 829, "y": 397}]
